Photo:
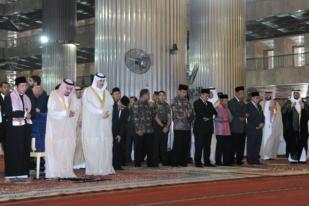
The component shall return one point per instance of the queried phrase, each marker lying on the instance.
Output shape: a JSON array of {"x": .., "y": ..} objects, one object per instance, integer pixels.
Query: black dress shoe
[
  {"x": 153, "y": 165},
  {"x": 227, "y": 164},
  {"x": 118, "y": 168},
  {"x": 240, "y": 163},
  {"x": 198, "y": 165},
  {"x": 209, "y": 165},
  {"x": 166, "y": 164}
]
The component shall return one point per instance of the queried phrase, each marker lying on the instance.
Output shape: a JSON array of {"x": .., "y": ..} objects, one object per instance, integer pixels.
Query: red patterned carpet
[
  {"x": 266, "y": 191},
  {"x": 273, "y": 183}
]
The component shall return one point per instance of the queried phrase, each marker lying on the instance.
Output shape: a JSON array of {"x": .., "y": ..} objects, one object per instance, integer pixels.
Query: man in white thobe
[
  {"x": 79, "y": 160},
  {"x": 273, "y": 128},
  {"x": 97, "y": 137},
  {"x": 60, "y": 132},
  {"x": 214, "y": 99}
]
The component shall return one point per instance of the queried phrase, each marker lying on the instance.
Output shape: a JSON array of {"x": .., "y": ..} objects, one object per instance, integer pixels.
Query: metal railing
[{"x": 280, "y": 61}]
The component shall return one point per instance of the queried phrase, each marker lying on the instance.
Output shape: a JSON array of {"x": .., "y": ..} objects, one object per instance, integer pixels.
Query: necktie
[{"x": 22, "y": 100}]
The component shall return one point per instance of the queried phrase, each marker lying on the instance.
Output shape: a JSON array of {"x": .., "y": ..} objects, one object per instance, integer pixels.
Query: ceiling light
[{"x": 44, "y": 39}]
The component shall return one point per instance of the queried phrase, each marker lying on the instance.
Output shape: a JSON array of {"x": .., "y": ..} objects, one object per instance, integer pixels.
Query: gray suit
[
  {"x": 238, "y": 124},
  {"x": 254, "y": 134}
]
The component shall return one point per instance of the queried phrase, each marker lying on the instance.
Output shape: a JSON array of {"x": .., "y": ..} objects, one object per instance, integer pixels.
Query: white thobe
[
  {"x": 272, "y": 132},
  {"x": 97, "y": 138},
  {"x": 79, "y": 160},
  {"x": 60, "y": 137},
  {"x": 215, "y": 103},
  {"x": 308, "y": 144}
]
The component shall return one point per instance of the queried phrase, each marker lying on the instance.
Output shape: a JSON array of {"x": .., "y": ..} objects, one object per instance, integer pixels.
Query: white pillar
[
  {"x": 153, "y": 26},
  {"x": 59, "y": 53},
  {"x": 217, "y": 43}
]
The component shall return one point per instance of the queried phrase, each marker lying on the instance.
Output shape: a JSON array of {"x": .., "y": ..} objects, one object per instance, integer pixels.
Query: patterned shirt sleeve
[
  {"x": 173, "y": 109},
  {"x": 190, "y": 108},
  {"x": 137, "y": 120},
  {"x": 169, "y": 109},
  {"x": 155, "y": 110}
]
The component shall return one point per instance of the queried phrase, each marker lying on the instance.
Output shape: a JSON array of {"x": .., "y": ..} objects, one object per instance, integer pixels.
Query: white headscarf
[
  {"x": 272, "y": 96},
  {"x": 63, "y": 85},
  {"x": 97, "y": 77},
  {"x": 215, "y": 97},
  {"x": 297, "y": 102}
]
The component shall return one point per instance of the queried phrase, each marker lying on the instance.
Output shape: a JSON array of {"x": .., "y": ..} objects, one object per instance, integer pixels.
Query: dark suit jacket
[
  {"x": 119, "y": 124},
  {"x": 2, "y": 125},
  {"x": 238, "y": 111},
  {"x": 2, "y": 104},
  {"x": 255, "y": 117},
  {"x": 202, "y": 111},
  {"x": 40, "y": 102}
]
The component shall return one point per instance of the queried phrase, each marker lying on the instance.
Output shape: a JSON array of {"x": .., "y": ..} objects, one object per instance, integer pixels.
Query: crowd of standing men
[{"x": 93, "y": 129}]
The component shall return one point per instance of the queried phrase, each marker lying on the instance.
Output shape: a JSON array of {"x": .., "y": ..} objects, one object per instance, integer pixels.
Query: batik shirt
[
  {"x": 163, "y": 110},
  {"x": 180, "y": 109},
  {"x": 143, "y": 117}
]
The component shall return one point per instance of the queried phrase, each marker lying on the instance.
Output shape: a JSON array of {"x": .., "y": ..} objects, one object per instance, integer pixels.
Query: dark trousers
[
  {"x": 129, "y": 146},
  {"x": 189, "y": 158},
  {"x": 160, "y": 146},
  {"x": 254, "y": 141},
  {"x": 123, "y": 151},
  {"x": 17, "y": 150},
  {"x": 3, "y": 134},
  {"x": 144, "y": 146},
  {"x": 239, "y": 142},
  {"x": 202, "y": 142},
  {"x": 180, "y": 151},
  {"x": 130, "y": 140},
  {"x": 117, "y": 154},
  {"x": 224, "y": 150}
]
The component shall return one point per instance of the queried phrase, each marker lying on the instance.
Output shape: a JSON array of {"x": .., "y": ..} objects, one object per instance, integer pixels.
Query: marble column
[
  {"x": 217, "y": 43},
  {"x": 59, "y": 53}
]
